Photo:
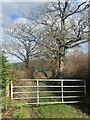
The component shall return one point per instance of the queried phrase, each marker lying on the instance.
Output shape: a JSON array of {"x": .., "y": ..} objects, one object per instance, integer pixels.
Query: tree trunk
[
  {"x": 61, "y": 51},
  {"x": 27, "y": 68},
  {"x": 59, "y": 68},
  {"x": 29, "y": 71}
]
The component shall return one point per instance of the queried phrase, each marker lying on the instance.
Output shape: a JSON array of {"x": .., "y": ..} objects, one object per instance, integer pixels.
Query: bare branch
[
  {"x": 77, "y": 9},
  {"x": 81, "y": 42}
]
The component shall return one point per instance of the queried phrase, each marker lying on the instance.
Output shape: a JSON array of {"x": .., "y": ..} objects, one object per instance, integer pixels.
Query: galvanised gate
[{"x": 48, "y": 91}]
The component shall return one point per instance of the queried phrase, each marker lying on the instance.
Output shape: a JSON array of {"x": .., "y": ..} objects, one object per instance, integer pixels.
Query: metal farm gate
[{"x": 48, "y": 91}]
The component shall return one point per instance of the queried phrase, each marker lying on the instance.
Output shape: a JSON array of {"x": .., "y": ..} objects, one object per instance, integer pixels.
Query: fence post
[
  {"x": 37, "y": 92},
  {"x": 11, "y": 90},
  {"x": 62, "y": 89},
  {"x": 84, "y": 87}
]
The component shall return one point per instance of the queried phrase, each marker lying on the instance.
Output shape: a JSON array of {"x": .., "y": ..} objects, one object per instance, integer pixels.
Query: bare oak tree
[
  {"x": 65, "y": 25},
  {"x": 22, "y": 45}
]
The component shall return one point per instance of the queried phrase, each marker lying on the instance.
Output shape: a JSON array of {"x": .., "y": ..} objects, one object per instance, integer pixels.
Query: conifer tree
[{"x": 4, "y": 79}]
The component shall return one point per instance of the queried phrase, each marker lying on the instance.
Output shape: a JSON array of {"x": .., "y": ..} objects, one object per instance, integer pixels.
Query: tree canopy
[{"x": 58, "y": 26}]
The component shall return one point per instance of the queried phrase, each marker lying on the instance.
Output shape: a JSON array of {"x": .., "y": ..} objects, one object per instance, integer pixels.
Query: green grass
[{"x": 49, "y": 111}]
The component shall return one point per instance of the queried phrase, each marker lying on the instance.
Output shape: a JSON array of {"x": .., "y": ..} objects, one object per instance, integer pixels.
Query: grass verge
[{"x": 49, "y": 111}]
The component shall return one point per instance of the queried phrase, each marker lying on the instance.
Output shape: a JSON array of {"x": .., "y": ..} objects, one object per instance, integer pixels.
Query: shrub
[
  {"x": 76, "y": 65},
  {"x": 17, "y": 74}
]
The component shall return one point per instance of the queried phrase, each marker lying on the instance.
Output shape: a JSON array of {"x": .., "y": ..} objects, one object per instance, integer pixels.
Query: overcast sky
[{"x": 10, "y": 14}]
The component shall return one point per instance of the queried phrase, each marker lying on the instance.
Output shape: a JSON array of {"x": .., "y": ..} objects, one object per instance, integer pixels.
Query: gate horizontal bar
[
  {"x": 50, "y": 80},
  {"x": 52, "y": 102},
  {"x": 46, "y": 91},
  {"x": 33, "y": 86},
  {"x": 44, "y": 86},
  {"x": 46, "y": 97}
]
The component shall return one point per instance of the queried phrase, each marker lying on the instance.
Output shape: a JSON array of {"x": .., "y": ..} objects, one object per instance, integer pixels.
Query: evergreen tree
[
  {"x": 5, "y": 74},
  {"x": 4, "y": 79}
]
